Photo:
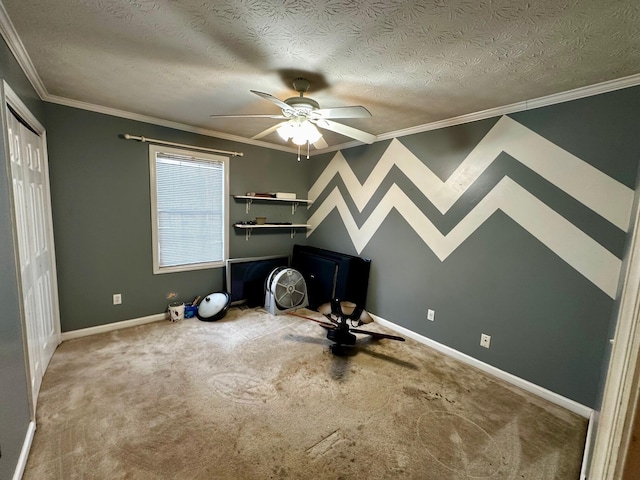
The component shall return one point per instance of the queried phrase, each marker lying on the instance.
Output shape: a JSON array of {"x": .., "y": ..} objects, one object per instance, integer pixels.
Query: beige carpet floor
[{"x": 255, "y": 396}]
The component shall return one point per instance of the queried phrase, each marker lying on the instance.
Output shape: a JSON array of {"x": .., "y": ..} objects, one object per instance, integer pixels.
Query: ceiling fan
[{"x": 302, "y": 114}]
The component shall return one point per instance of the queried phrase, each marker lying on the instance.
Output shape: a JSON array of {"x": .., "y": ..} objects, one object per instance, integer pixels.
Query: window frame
[{"x": 154, "y": 150}]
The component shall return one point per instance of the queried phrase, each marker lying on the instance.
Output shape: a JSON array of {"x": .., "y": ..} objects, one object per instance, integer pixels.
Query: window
[{"x": 188, "y": 209}]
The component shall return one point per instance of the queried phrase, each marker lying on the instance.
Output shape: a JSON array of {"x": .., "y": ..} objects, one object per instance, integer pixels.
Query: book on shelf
[{"x": 260, "y": 194}]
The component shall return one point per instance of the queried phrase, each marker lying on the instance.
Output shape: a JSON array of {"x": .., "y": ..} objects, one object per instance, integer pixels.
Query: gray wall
[
  {"x": 549, "y": 323},
  {"x": 102, "y": 215},
  {"x": 14, "y": 402}
]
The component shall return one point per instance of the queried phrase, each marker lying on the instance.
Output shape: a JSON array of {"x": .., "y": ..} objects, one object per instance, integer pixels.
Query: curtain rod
[{"x": 182, "y": 145}]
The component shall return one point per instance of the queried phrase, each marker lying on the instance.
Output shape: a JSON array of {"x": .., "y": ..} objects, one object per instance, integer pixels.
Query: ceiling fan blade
[
  {"x": 355, "y": 111},
  {"x": 266, "y": 132},
  {"x": 377, "y": 335},
  {"x": 249, "y": 115},
  {"x": 271, "y": 98},
  {"x": 320, "y": 143},
  {"x": 328, "y": 326},
  {"x": 345, "y": 130}
]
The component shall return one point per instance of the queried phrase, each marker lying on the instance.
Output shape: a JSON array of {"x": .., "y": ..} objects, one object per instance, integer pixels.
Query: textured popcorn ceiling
[{"x": 409, "y": 62}]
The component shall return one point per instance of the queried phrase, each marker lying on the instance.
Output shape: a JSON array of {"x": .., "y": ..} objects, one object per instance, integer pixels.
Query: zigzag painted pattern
[{"x": 599, "y": 192}]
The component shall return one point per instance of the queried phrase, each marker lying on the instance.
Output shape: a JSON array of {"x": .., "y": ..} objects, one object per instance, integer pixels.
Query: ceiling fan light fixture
[
  {"x": 286, "y": 131},
  {"x": 299, "y": 133},
  {"x": 306, "y": 133}
]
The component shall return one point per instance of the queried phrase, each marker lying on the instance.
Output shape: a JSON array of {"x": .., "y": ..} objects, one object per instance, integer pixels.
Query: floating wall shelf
[
  {"x": 293, "y": 201},
  {"x": 249, "y": 228}
]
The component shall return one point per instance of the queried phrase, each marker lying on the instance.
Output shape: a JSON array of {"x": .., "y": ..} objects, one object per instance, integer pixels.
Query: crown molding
[
  {"x": 163, "y": 123},
  {"x": 556, "y": 98},
  {"x": 569, "y": 95},
  {"x": 68, "y": 102},
  {"x": 10, "y": 35},
  {"x": 459, "y": 120},
  {"x": 583, "y": 92},
  {"x": 187, "y": 128}
]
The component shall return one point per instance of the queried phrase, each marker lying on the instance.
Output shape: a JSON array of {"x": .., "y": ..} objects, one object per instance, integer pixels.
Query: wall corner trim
[
  {"x": 553, "y": 397},
  {"x": 24, "y": 453},
  {"x": 110, "y": 327}
]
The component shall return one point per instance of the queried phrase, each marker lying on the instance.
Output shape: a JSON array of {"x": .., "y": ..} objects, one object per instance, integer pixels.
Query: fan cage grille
[{"x": 289, "y": 289}]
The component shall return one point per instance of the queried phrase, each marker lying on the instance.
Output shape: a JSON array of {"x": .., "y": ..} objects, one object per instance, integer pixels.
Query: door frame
[
  {"x": 620, "y": 396},
  {"x": 10, "y": 98}
]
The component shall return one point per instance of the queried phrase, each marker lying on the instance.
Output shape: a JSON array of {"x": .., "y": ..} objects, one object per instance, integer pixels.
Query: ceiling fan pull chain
[
  {"x": 298, "y": 152},
  {"x": 308, "y": 148}
]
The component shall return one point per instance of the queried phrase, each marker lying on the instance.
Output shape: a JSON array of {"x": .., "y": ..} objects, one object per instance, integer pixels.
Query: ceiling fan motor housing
[{"x": 302, "y": 103}]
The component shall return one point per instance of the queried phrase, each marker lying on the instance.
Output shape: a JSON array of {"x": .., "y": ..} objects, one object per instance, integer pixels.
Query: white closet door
[{"x": 33, "y": 223}]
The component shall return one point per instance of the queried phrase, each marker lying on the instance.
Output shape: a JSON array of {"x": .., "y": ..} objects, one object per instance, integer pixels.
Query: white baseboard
[
  {"x": 553, "y": 397},
  {"x": 24, "y": 453},
  {"x": 109, "y": 327}
]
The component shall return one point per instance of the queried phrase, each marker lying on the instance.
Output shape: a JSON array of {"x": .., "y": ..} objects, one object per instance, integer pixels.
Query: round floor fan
[{"x": 285, "y": 290}]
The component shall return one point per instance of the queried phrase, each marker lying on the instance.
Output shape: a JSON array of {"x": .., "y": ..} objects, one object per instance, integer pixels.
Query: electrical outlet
[
  {"x": 431, "y": 315},
  {"x": 485, "y": 340},
  {"x": 117, "y": 298}
]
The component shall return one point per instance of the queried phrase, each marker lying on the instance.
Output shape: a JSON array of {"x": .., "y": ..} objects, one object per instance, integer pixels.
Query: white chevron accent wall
[
  {"x": 604, "y": 195},
  {"x": 596, "y": 190}
]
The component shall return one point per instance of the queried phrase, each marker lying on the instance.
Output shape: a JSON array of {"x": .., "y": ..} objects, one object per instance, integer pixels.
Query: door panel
[{"x": 33, "y": 224}]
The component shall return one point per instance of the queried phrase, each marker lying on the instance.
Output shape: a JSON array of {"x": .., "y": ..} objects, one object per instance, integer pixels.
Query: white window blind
[{"x": 190, "y": 217}]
